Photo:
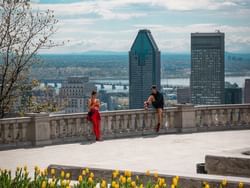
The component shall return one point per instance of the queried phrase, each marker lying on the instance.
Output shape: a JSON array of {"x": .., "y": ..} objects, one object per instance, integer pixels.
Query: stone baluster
[
  {"x": 15, "y": 132},
  {"x": 214, "y": 118},
  {"x": 235, "y": 117},
  {"x": 78, "y": 127},
  {"x": 229, "y": 117},
  {"x": 62, "y": 128},
  {"x": 148, "y": 120},
  {"x": 139, "y": 122},
  {"x": 1, "y": 134},
  {"x": 198, "y": 118},
  {"x": 117, "y": 124},
  {"x": 171, "y": 120},
  {"x": 125, "y": 125},
  {"x": 24, "y": 131},
  {"x": 221, "y": 117},
  {"x": 132, "y": 120}
]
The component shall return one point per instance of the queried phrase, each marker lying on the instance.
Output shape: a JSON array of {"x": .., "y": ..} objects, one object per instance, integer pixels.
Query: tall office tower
[
  {"x": 207, "y": 68},
  {"x": 144, "y": 68},
  {"x": 75, "y": 93},
  {"x": 247, "y": 91},
  {"x": 183, "y": 95}
]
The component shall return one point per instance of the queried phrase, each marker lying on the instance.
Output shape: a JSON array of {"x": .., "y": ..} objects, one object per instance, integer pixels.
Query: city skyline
[{"x": 102, "y": 25}]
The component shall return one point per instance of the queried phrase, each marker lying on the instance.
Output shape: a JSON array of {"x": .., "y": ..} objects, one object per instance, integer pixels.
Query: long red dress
[{"x": 95, "y": 118}]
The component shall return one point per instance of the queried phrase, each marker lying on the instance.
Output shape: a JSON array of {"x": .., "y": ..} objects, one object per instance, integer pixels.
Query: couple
[{"x": 155, "y": 99}]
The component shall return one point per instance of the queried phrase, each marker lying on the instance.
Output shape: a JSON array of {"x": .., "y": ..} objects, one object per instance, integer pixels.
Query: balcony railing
[{"x": 45, "y": 129}]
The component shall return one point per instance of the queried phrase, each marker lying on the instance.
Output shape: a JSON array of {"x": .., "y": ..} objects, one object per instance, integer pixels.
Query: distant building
[
  {"x": 75, "y": 93},
  {"x": 233, "y": 94},
  {"x": 247, "y": 91},
  {"x": 144, "y": 68},
  {"x": 183, "y": 95},
  {"x": 207, "y": 68}
]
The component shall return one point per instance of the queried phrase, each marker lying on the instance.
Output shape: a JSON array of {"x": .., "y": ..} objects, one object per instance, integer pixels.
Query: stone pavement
[{"x": 173, "y": 154}]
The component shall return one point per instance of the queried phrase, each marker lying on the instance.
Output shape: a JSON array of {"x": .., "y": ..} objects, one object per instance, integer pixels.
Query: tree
[{"x": 23, "y": 32}]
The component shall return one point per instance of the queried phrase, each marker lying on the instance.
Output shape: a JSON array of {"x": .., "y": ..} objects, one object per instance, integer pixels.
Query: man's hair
[
  {"x": 93, "y": 93},
  {"x": 153, "y": 87}
]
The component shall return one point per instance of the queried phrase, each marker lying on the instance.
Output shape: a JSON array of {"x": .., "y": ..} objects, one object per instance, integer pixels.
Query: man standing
[{"x": 157, "y": 101}]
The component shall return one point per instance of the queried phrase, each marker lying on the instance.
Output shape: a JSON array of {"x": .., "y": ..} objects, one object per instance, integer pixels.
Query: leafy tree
[{"x": 23, "y": 32}]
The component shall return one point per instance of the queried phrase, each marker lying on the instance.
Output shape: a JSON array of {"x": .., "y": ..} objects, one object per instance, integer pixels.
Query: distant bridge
[{"x": 96, "y": 82}]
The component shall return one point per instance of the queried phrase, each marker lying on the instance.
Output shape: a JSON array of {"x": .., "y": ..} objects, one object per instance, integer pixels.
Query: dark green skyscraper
[
  {"x": 144, "y": 68},
  {"x": 207, "y": 68}
]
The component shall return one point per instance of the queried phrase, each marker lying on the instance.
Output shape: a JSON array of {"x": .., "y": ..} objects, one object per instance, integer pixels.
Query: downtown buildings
[
  {"x": 247, "y": 91},
  {"x": 207, "y": 68},
  {"x": 144, "y": 68},
  {"x": 74, "y": 94}
]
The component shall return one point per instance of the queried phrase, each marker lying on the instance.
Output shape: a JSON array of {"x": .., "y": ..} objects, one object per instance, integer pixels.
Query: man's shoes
[{"x": 158, "y": 127}]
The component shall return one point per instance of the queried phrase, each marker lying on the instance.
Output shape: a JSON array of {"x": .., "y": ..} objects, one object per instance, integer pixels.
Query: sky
[{"x": 112, "y": 25}]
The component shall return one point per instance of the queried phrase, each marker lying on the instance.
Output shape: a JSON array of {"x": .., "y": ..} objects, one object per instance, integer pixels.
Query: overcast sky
[{"x": 112, "y": 25}]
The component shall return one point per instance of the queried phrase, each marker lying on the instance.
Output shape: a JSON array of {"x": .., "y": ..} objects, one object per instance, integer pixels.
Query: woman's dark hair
[
  {"x": 93, "y": 93},
  {"x": 153, "y": 87}
]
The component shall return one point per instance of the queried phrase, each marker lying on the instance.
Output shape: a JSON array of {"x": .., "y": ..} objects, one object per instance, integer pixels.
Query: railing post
[
  {"x": 39, "y": 129},
  {"x": 185, "y": 118}
]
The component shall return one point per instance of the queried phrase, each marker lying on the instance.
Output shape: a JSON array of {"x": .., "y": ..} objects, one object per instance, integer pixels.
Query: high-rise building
[
  {"x": 247, "y": 91},
  {"x": 144, "y": 68},
  {"x": 183, "y": 95},
  {"x": 74, "y": 94},
  {"x": 233, "y": 94},
  {"x": 207, "y": 68}
]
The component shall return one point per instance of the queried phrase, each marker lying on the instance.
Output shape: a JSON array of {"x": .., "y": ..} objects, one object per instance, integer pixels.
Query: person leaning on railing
[
  {"x": 94, "y": 115},
  {"x": 156, "y": 99}
]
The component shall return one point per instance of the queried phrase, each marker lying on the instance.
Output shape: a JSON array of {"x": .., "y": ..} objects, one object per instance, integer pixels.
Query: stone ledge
[
  {"x": 227, "y": 166},
  {"x": 187, "y": 182}
]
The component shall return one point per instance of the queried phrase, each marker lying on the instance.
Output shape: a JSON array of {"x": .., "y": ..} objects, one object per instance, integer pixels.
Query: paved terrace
[{"x": 168, "y": 154}]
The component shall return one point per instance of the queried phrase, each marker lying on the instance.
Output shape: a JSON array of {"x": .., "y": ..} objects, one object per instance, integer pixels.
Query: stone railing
[
  {"x": 14, "y": 131},
  {"x": 44, "y": 129},
  {"x": 222, "y": 117}
]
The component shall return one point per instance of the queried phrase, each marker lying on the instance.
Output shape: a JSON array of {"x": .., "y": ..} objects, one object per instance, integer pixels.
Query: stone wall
[{"x": 38, "y": 129}]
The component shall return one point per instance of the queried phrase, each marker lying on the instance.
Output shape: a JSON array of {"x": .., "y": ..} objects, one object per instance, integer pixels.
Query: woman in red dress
[{"x": 94, "y": 115}]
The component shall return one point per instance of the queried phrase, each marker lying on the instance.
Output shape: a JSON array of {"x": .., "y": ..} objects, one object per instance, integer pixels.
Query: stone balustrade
[{"x": 44, "y": 129}]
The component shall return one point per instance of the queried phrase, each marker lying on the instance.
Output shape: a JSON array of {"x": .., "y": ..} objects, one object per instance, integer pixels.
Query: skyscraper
[
  {"x": 207, "y": 68},
  {"x": 247, "y": 91},
  {"x": 144, "y": 68}
]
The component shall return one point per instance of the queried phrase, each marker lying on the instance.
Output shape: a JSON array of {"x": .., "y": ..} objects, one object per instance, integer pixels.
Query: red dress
[{"x": 95, "y": 118}]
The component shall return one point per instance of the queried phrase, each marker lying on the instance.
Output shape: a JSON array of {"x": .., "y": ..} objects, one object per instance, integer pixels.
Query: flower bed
[{"x": 87, "y": 179}]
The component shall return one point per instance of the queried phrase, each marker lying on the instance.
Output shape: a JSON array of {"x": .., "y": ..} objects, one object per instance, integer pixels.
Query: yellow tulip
[
  {"x": 123, "y": 180},
  {"x": 172, "y": 186},
  {"x": 62, "y": 174},
  {"x": 224, "y": 182},
  {"x": 120, "y": 179},
  {"x": 44, "y": 184},
  {"x": 67, "y": 175},
  {"x": 80, "y": 178},
  {"x": 175, "y": 181},
  {"x": 133, "y": 184},
  {"x": 114, "y": 174},
  {"x": 63, "y": 182},
  {"x": 137, "y": 178},
  {"x": 156, "y": 175},
  {"x": 67, "y": 186},
  {"x": 117, "y": 185},
  {"x": 129, "y": 180},
  {"x": 156, "y": 186},
  {"x": 52, "y": 171},
  {"x": 164, "y": 185},
  {"x": 113, "y": 184},
  {"x": 90, "y": 180},
  {"x": 241, "y": 185},
  {"x": 87, "y": 170},
  {"x": 207, "y": 186},
  {"x": 83, "y": 172},
  {"x": 177, "y": 177},
  {"x": 148, "y": 173},
  {"x": 52, "y": 184},
  {"x": 141, "y": 186},
  {"x": 92, "y": 175},
  {"x": 67, "y": 182},
  {"x": 117, "y": 172},
  {"x": 103, "y": 184}
]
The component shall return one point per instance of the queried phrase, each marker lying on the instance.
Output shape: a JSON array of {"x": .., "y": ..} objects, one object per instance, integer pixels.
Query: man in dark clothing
[{"x": 157, "y": 101}]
